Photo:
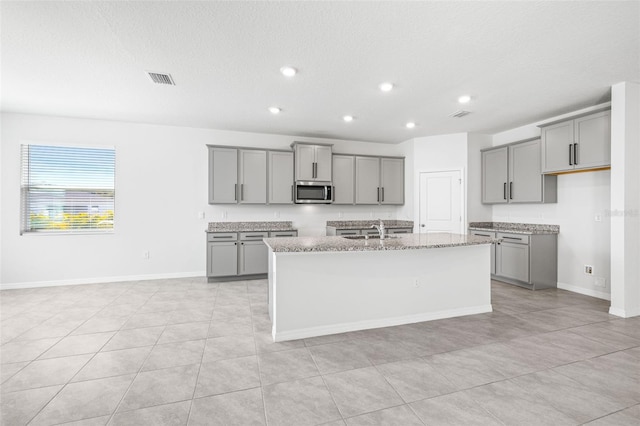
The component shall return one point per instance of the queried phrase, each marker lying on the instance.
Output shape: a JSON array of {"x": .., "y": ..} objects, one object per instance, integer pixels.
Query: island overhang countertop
[{"x": 392, "y": 242}]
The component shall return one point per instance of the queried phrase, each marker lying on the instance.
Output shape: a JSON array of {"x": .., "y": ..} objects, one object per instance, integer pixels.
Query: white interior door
[{"x": 441, "y": 202}]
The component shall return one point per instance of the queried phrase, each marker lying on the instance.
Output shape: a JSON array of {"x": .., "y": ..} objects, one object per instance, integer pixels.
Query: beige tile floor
[{"x": 178, "y": 352}]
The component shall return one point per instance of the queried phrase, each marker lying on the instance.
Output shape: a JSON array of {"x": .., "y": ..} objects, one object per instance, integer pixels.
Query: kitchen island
[{"x": 328, "y": 285}]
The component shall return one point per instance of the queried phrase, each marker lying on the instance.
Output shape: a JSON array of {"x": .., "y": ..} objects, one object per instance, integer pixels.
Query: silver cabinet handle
[
  {"x": 235, "y": 192},
  {"x": 383, "y": 194},
  {"x": 511, "y": 190},
  {"x": 378, "y": 190},
  {"x": 291, "y": 192},
  {"x": 504, "y": 190},
  {"x": 241, "y": 191},
  {"x": 575, "y": 154}
]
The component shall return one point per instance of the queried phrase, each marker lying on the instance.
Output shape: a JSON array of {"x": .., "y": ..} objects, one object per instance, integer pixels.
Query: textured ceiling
[{"x": 521, "y": 62}]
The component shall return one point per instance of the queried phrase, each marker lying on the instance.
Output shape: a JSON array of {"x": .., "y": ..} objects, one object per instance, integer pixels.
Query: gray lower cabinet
[
  {"x": 529, "y": 261},
  {"x": 239, "y": 254},
  {"x": 222, "y": 254},
  {"x": 512, "y": 260},
  {"x": 493, "y": 247}
]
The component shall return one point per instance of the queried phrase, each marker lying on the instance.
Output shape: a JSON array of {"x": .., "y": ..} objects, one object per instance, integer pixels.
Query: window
[{"x": 67, "y": 189}]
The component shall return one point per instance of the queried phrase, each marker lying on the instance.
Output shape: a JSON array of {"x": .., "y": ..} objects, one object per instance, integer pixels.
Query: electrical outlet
[
  {"x": 340, "y": 215},
  {"x": 598, "y": 218},
  {"x": 145, "y": 255},
  {"x": 224, "y": 215},
  {"x": 416, "y": 283},
  {"x": 588, "y": 269},
  {"x": 200, "y": 215},
  {"x": 276, "y": 214}
]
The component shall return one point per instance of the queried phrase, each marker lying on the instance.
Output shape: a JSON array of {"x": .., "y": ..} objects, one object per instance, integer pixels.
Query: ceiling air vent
[
  {"x": 460, "y": 113},
  {"x": 160, "y": 78}
]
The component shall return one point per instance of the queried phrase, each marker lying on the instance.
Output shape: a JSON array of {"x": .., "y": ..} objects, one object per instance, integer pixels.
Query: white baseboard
[
  {"x": 624, "y": 313},
  {"x": 100, "y": 280},
  {"x": 305, "y": 333},
  {"x": 585, "y": 291}
]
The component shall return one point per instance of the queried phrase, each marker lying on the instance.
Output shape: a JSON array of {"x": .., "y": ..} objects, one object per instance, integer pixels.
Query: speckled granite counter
[
  {"x": 515, "y": 228},
  {"x": 363, "y": 224},
  {"x": 394, "y": 242},
  {"x": 249, "y": 226}
]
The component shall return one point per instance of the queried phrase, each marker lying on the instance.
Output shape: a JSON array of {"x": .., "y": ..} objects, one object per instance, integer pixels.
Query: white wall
[
  {"x": 161, "y": 185},
  {"x": 582, "y": 240}
]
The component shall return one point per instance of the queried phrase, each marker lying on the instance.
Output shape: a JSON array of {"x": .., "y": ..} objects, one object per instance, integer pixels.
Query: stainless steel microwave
[{"x": 313, "y": 193}]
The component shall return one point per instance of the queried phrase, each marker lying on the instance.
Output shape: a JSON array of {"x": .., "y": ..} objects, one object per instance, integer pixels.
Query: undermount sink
[{"x": 367, "y": 237}]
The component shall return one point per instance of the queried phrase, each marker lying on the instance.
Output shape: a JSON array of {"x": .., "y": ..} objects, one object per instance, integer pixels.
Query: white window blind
[{"x": 67, "y": 189}]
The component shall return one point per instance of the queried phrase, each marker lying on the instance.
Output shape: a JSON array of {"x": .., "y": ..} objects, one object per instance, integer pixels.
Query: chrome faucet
[{"x": 380, "y": 229}]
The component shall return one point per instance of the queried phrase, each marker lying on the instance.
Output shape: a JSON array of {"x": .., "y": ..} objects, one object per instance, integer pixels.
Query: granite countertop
[
  {"x": 363, "y": 224},
  {"x": 515, "y": 228},
  {"x": 395, "y": 242},
  {"x": 249, "y": 226}
]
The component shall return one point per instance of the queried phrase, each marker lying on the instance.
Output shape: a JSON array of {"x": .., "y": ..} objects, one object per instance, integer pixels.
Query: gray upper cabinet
[
  {"x": 280, "y": 177},
  {"x": 513, "y": 174},
  {"x": 379, "y": 180},
  {"x": 495, "y": 175},
  {"x": 237, "y": 176},
  {"x": 578, "y": 144},
  {"x": 223, "y": 175},
  {"x": 312, "y": 162},
  {"x": 367, "y": 180},
  {"x": 344, "y": 175},
  {"x": 253, "y": 169},
  {"x": 392, "y": 181}
]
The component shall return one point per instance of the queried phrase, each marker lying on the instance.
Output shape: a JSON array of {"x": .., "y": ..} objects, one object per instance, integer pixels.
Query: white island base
[{"x": 319, "y": 293}]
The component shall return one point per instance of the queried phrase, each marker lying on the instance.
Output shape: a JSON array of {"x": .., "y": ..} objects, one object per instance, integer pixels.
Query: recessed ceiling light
[
  {"x": 386, "y": 87},
  {"x": 410, "y": 125},
  {"x": 348, "y": 118},
  {"x": 464, "y": 99},
  {"x": 288, "y": 71},
  {"x": 274, "y": 110}
]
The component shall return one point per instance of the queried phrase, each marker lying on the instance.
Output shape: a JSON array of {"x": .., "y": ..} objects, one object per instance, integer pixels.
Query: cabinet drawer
[
  {"x": 489, "y": 234},
  {"x": 347, "y": 232},
  {"x": 514, "y": 238},
  {"x": 253, "y": 236},
  {"x": 369, "y": 231},
  {"x": 222, "y": 236},
  {"x": 275, "y": 234},
  {"x": 399, "y": 231}
]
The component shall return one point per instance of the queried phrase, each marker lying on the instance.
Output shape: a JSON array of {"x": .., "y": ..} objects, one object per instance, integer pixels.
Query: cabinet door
[
  {"x": 223, "y": 175},
  {"x": 556, "y": 145},
  {"x": 253, "y": 258},
  {"x": 253, "y": 173},
  {"x": 512, "y": 261},
  {"x": 367, "y": 180},
  {"x": 222, "y": 259},
  {"x": 280, "y": 177},
  {"x": 323, "y": 163},
  {"x": 305, "y": 157},
  {"x": 525, "y": 173},
  {"x": 593, "y": 136},
  {"x": 392, "y": 181},
  {"x": 344, "y": 179},
  {"x": 494, "y": 176}
]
